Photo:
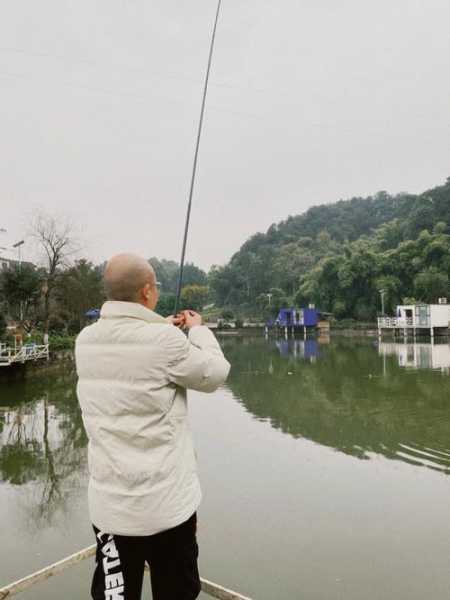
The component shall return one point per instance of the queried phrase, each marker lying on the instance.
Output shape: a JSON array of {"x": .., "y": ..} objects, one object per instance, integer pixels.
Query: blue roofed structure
[{"x": 296, "y": 318}]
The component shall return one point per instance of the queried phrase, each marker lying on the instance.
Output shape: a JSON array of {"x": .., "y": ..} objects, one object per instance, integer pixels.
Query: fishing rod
[{"x": 194, "y": 166}]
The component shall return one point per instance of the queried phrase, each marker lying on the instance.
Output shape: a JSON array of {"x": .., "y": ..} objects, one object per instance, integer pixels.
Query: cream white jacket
[{"x": 133, "y": 370}]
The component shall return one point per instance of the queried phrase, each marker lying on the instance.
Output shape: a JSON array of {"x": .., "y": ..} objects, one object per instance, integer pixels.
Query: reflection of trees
[
  {"x": 51, "y": 491},
  {"x": 21, "y": 458},
  {"x": 344, "y": 401},
  {"x": 43, "y": 439}
]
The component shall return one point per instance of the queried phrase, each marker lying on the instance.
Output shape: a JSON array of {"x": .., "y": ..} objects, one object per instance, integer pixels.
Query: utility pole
[{"x": 382, "y": 293}]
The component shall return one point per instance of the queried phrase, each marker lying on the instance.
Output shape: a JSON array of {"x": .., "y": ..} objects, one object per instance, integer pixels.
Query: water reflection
[
  {"x": 345, "y": 395},
  {"x": 418, "y": 355},
  {"x": 302, "y": 349},
  {"x": 42, "y": 441},
  {"x": 351, "y": 399}
]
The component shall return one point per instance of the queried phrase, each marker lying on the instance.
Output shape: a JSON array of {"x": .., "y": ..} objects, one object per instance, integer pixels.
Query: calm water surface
[{"x": 325, "y": 470}]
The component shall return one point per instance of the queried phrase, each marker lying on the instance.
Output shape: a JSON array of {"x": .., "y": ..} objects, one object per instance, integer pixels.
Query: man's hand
[
  {"x": 177, "y": 320},
  {"x": 191, "y": 318}
]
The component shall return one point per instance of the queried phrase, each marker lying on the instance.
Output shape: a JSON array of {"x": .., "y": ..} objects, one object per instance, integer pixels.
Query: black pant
[{"x": 172, "y": 556}]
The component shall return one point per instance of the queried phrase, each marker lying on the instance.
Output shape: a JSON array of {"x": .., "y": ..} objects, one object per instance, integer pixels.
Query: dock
[
  {"x": 417, "y": 319},
  {"x": 22, "y": 354}
]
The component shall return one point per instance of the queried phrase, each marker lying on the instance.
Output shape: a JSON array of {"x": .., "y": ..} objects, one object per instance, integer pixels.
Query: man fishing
[{"x": 134, "y": 368}]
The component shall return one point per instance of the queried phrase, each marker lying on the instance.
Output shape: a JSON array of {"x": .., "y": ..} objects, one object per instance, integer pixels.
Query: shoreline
[{"x": 60, "y": 357}]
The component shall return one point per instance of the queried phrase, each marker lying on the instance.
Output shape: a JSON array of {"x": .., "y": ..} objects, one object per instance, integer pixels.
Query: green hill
[{"x": 340, "y": 255}]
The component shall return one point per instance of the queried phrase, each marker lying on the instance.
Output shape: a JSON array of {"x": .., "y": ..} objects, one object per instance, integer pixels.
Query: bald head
[{"x": 125, "y": 277}]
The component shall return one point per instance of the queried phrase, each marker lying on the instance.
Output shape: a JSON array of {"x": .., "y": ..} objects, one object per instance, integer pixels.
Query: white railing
[
  {"x": 31, "y": 352},
  {"x": 9, "y": 355},
  {"x": 209, "y": 588},
  {"x": 394, "y": 322}
]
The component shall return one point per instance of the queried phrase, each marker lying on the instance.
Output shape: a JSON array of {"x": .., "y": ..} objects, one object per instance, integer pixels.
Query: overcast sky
[{"x": 310, "y": 101}]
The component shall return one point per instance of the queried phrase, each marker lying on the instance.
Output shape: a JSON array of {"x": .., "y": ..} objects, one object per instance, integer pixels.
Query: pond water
[{"x": 325, "y": 470}]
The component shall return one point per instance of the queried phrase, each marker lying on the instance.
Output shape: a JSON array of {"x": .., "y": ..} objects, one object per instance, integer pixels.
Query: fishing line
[{"x": 194, "y": 166}]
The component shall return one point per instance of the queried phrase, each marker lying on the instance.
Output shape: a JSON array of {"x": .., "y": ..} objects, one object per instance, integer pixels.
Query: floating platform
[{"x": 20, "y": 355}]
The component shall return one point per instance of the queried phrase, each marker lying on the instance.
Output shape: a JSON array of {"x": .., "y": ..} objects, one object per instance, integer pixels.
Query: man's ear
[
  {"x": 143, "y": 294},
  {"x": 146, "y": 291}
]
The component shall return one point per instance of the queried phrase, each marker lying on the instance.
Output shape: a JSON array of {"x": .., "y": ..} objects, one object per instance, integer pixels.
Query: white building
[
  {"x": 417, "y": 317},
  {"x": 9, "y": 263},
  {"x": 5, "y": 263}
]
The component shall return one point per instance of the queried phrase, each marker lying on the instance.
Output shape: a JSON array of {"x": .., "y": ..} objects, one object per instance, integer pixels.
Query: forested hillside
[{"x": 340, "y": 255}]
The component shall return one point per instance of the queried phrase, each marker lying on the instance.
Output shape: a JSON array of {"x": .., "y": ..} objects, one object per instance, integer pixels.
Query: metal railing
[
  {"x": 401, "y": 323},
  {"x": 208, "y": 587},
  {"x": 9, "y": 355}
]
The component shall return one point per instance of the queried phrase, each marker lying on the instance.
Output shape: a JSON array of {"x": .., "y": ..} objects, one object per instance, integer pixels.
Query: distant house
[
  {"x": 11, "y": 263},
  {"x": 300, "y": 319},
  {"x": 418, "y": 316},
  {"x": 291, "y": 317}
]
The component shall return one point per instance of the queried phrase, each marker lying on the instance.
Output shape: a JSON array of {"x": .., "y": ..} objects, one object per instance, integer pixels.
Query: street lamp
[
  {"x": 382, "y": 293},
  {"x": 270, "y": 298}
]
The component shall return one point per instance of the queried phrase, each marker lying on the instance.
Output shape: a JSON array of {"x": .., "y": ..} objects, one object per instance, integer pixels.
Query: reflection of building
[
  {"x": 418, "y": 356},
  {"x": 302, "y": 349},
  {"x": 417, "y": 317}
]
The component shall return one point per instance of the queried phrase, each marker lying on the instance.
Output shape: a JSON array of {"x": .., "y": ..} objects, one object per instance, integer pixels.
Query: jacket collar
[{"x": 116, "y": 310}]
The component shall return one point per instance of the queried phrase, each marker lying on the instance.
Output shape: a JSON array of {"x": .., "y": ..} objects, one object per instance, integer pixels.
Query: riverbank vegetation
[{"x": 337, "y": 256}]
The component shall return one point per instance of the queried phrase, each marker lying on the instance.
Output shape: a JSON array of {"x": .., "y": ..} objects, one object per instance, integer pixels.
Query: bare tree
[{"x": 56, "y": 243}]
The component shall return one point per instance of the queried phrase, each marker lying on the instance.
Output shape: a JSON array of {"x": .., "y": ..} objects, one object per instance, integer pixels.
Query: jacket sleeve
[{"x": 196, "y": 362}]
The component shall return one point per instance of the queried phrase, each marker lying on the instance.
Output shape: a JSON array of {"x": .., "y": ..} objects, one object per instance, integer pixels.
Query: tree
[
  {"x": 168, "y": 271},
  {"x": 292, "y": 261},
  {"x": 2, "y": 325},
  {"x": 194, "y": 297},
  {"x": 430, "y": 285},
  {"x": 271, "y": 302},
  {"x": 79, "y": 289},
  {"x": 55, "y": 242},
  {"x": 21, "y": 290},
  {"x": 166, "y": 304},
  {"x": 223, "y": 284},
  {"x": 391, "y": 286},
  {"x": 193, "y": 275}
]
